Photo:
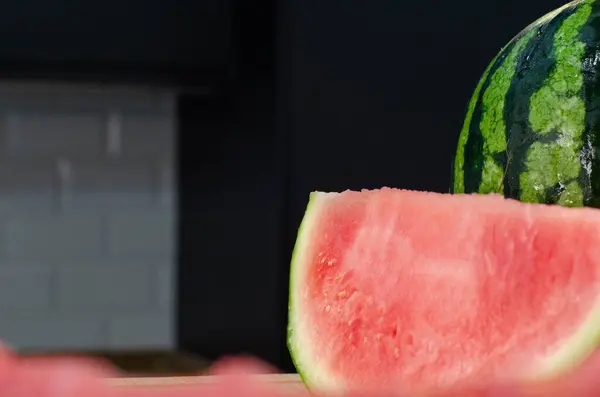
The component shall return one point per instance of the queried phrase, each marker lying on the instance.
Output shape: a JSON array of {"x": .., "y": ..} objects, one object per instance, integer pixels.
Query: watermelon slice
[{"x": 424, "y": 290}]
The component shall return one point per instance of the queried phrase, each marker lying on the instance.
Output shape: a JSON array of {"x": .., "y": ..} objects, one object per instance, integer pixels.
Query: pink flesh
[{"x": 432, "y": 290}]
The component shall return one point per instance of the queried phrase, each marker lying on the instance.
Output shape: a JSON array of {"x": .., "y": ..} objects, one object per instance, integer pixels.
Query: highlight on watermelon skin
[{"x": 446, "y": 223}]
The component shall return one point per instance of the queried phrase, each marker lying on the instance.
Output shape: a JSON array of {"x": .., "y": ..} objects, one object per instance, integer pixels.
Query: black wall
[
  {"x": 183, "y": 42},
  {"x": 232, "y": 204},
  {"x": 361, "y": 95}
]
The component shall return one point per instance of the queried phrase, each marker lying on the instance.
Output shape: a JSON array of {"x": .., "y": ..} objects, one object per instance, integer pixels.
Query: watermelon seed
[
  {"x": 396, "y": 352},
  {"x": 341, "y": 294},
  {"x": 327, "y": 308},
  {"x": 379, "y": 336}
]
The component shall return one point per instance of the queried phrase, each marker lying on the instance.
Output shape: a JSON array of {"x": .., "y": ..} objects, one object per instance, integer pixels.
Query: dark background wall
[
  {"x": 357, "y": 95},
  {"x": 182, "y": 42}
]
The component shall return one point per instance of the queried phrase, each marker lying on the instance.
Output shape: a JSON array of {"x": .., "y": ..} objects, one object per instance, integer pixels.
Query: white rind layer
[{"x": 308, "y": 365}]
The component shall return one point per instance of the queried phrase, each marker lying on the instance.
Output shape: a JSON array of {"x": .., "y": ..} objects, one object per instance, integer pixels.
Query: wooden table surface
[{"x": 285, "y": 380}]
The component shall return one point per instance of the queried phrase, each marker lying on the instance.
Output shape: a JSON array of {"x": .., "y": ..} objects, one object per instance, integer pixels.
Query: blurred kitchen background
[{"x": 156, "y": 156}]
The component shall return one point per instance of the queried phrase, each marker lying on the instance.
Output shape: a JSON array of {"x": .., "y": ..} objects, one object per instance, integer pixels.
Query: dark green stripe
[
  {"x": 557, "y": 120},
  {"x": 590, "y": 166},
  {"x": 473, "y": 152},
  {"x": 533, "y": 67}
]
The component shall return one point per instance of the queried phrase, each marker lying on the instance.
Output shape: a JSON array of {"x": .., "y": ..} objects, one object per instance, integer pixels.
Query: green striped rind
[
  {"x": 492, "y": 126},
  {"x": 525, "y": 130},
  {"x": 459, "y": 160},
  {"x": 558, "y": 106}
]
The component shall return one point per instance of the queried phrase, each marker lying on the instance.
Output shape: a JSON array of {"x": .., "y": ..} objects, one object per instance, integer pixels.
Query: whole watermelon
[{"x": 532, "y": 129}]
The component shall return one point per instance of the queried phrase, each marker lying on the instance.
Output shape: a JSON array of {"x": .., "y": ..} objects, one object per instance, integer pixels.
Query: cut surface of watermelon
[{"x": 426, "y": 290}]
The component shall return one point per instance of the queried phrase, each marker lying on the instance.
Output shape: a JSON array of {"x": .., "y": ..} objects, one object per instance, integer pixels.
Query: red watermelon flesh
[{"x": 424, "y": 290}]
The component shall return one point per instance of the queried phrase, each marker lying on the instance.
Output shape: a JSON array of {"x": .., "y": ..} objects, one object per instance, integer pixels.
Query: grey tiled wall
[{"x": 87, "y": 216}]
